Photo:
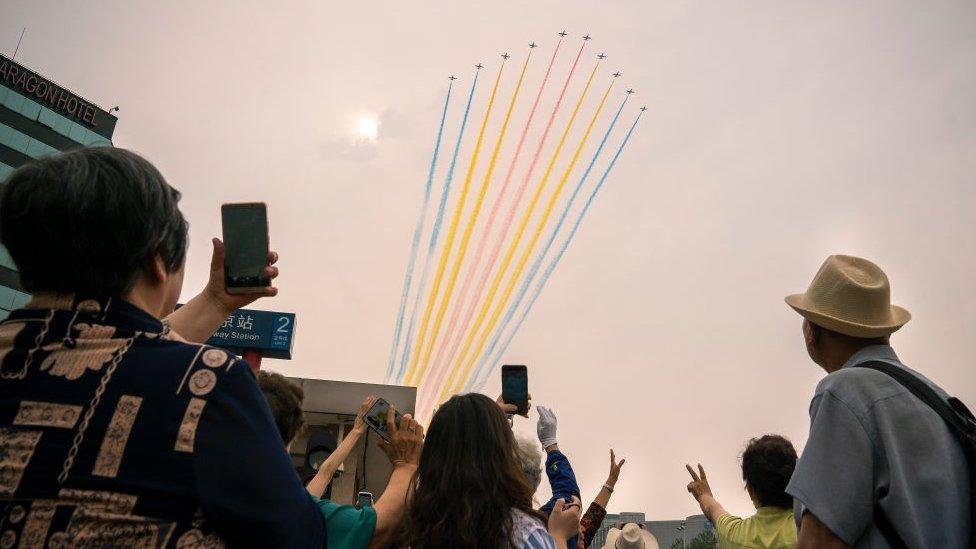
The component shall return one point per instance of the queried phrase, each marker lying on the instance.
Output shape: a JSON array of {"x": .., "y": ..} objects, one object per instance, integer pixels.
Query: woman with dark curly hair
[
  {"x": 767, "y": 465},
  {"x": 471, "y": 491}
]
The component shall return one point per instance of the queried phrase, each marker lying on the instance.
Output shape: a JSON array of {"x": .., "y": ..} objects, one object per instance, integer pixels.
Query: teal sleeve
[{"x": 348, "y": 527}]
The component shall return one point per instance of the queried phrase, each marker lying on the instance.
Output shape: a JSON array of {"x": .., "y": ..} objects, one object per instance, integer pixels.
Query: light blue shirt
[{"x": 871, "y": 440}]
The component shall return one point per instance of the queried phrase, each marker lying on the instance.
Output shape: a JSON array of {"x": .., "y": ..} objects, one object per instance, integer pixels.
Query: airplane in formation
[
  {"x": 630, "y": 91},
  {"x": 643, "y": 109},
  {"x": 479, "y": 66},
  {"x": 601, "y": 56},
  {"x": 563, "y": 34},
  {"x": 452, "y": 77},
  {"x": 616, "y": 74},
  {"x": 587, "y": 37},
  {"x": 505, "y": 56},
  {"x": 532, "y": 45}
]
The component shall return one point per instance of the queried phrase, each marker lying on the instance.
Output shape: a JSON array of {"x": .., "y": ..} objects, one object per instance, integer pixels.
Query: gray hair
[{"x": 530, "y": 459}]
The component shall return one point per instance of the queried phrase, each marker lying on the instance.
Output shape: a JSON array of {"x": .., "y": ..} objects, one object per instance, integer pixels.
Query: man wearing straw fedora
[
  {"x": 881, "y": 467},
  {"x": 630, "y": 536}
]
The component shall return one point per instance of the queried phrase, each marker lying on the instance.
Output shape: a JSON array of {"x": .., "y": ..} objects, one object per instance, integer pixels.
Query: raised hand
[
  {"x": 406, "y": 440},
  {"x": 217, "y": 287},
  {"x": 698, "y": 486},
  {"x": 359, "y": 426},
  {"x": 614, "y": 469},
  {"x": 546, "y": 428}
]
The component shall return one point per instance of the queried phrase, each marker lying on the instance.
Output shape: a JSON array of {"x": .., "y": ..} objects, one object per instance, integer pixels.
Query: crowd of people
[{"x": 119, "y": 427}]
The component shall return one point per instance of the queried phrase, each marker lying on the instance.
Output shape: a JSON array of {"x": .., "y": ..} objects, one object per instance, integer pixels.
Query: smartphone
[
  {"x": 375, "y": 418},
  {"x": 365, "y": 499},
  {"x": 246, "y": 244},
  {"x": 515, "y": 387}
]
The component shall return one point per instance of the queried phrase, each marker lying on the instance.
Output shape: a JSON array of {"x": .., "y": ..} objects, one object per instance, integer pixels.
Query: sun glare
[{"x": 367, "y": 128}]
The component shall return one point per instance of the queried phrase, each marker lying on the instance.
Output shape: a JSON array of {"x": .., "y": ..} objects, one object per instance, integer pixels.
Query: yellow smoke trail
[
  {"x": 528, "y": 250},
  {"x": 469, "y": 229},
  {"x": 510, "y": 253},
  {"x": 452, "y": 232}
]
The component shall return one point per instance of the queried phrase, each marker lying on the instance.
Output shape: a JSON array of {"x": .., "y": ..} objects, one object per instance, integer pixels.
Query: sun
[{"x": 367, "y": 128}]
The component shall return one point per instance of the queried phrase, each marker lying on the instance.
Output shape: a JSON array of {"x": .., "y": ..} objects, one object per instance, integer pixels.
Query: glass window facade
[{"x": 28, "y": 130}]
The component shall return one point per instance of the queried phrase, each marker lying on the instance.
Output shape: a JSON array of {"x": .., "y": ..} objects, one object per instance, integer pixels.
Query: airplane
[
  {"x": 505, "y": 56},
  {"x": 601, "y": 56},
  {"x": 563, "y": 34},
  {"x": 532, "y": 45},
  {"x": 587, "y": 37},
  {"x": 479, "y": 66},
  {"x": 630, "y": 91},
  {"x": 643, "y": 109},
  {"x": 452, "y": 77},
  {"x": 616, "y": 74}
]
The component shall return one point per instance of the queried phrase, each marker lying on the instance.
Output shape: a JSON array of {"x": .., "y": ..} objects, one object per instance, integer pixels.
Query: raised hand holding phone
[{"x": 515, "y": 387}]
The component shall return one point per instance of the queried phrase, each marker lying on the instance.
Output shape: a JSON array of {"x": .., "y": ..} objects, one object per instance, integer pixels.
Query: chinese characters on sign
[{"x": 271, "y": 332}]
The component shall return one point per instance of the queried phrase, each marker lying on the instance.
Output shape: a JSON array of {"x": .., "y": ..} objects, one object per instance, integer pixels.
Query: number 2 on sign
[{"x": 283, "y": 326}]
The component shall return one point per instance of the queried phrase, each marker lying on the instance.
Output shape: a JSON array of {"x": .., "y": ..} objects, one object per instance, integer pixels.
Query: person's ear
[
  {"x": 811, "y": 333},
  {"x": 156, "y": 270}
]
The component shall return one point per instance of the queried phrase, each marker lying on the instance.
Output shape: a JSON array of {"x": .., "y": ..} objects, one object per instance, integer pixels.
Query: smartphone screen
[
  {"x": 246, "y": 244},
  {"x": 365, "y": 499},
  {"x": 376, "y": 416},
  {"x": 515, "y": 387}
]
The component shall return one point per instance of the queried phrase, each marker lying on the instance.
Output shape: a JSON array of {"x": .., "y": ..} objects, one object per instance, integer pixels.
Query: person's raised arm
[
  {"x": 699, "y": 488},
  {"x": 404, "y": 450},
  {"x": 203, "y": 315},
  {"x": 815, "y": 535},
  {"x": 327, "y": 470},
  {"x": 560, "y": 473},
  {"x": 597, "y": 511}
]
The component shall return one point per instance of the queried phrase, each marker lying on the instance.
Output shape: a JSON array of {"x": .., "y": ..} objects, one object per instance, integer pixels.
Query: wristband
[{"x": 608, "y": 488}]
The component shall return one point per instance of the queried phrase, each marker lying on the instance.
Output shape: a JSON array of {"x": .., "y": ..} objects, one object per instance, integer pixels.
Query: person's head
[
  {"x": 767, "y": 465},
  {"x": 285, "y": 400},
  {"x": 98, "y": 222},
  {"x": 846, "y": 308},
  {"x": 470, "y": 478},
  {"x": 530, "y": 460}
]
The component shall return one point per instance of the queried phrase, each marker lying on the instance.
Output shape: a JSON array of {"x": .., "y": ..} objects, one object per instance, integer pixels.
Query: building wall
[{"x": 30, "y": 129}]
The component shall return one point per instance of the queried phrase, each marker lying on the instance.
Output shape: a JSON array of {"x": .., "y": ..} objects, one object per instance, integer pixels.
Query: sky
[{"x": 777, "y": 133}]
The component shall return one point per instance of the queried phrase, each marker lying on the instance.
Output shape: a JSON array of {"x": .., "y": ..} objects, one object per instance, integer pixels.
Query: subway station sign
[{"x": 271, "y": 332}]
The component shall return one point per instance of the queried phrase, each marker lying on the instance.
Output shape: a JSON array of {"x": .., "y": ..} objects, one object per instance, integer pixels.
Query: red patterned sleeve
[{"x": 591, "y": 521}]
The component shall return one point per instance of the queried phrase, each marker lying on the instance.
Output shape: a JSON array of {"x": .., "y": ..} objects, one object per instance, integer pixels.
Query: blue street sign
[{"x": 271, "y": 332}]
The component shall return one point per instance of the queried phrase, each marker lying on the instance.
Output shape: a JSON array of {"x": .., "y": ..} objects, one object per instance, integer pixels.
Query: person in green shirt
[
  {"x": 348, "y": 527},
  {"x": 767, "y": 465}
]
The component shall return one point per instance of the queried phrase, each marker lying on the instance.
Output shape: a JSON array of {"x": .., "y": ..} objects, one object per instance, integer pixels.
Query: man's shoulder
[
  {"x": 196, "y": 368},
  {"x": 858, "y": 388}
]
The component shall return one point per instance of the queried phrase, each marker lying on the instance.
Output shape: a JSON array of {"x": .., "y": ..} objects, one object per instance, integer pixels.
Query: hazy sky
[{"x": 777, "y": 133}]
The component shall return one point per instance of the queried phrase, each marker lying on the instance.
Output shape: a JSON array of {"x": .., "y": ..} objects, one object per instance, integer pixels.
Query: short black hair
[
  {"x": 88, "y": 220},
  {"x": 767, "y": 465},
  {"x": 285, "y": 400}
]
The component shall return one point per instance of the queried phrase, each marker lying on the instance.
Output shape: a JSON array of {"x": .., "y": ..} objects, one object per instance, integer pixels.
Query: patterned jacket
[{"x": 114, "y": 432}]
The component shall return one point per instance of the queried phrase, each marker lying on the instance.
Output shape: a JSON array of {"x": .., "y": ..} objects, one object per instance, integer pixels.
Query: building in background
[
  {"x": 670, "y": 534},
  {"x": 39, "y": 117}
]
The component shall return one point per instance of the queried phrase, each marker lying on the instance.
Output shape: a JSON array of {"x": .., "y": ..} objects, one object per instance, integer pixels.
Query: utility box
[{"x": 332, "y": 406}]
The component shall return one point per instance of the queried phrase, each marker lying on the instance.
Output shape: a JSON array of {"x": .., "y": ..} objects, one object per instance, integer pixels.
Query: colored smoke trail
[
  {"x": 523, "y": 260},
  {"x": 469, "y": 227},
  {"x": 411, "y": 378},
  {"x": 462, "y": 296},
  {"x": 415, "y": 244},
  {"x": 537, "y": 264},
  {"x": 435, "y": 232},
  {"x": 562, "y": 250},
  {"x": 452, "y": 379}
]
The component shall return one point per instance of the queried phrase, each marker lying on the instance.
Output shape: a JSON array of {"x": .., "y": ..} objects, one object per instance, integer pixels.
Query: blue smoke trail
[
  {"x": 537, "y": 264},
  {"x": 435, "y": 232},
  {"x": 555, "y": 261},
  {"x": 416, "y": 239}
]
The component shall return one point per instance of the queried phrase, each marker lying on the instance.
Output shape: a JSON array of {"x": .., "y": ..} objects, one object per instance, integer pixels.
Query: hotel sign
[{"x": 47, "y": 93}]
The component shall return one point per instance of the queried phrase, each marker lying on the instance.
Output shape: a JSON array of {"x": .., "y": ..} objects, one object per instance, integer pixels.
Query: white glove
[{"x": 546, "y": 428}]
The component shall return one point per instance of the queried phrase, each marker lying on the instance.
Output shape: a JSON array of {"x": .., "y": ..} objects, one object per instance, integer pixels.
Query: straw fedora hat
[
  {"x": 851, "y": 296},
  {"x": 631, "y": 536}
]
